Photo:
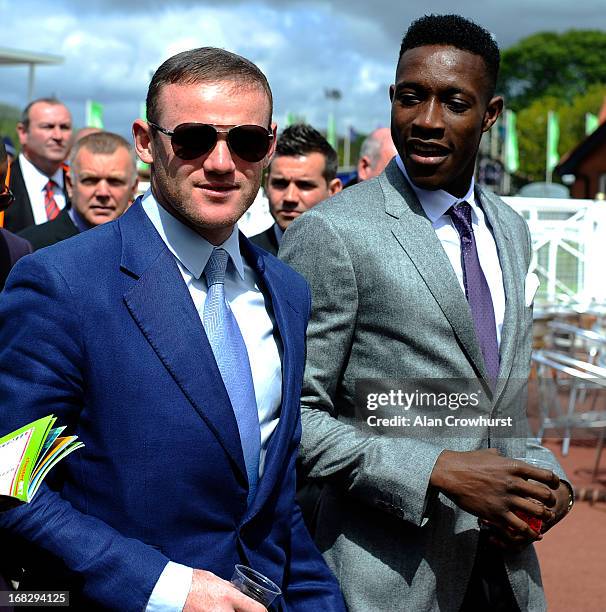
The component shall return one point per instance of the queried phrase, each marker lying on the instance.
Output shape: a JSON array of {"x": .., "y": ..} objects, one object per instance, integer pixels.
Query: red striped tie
[{"x": 50, "y": 204}]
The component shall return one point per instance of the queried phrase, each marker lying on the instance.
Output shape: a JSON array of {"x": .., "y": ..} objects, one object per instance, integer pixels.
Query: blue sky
[{"x": 111, "y": 47}]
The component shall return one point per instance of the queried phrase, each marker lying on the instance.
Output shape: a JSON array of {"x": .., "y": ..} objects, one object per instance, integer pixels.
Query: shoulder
[
  {"x": 16, "y": 244},
  {"x": 82, "y": 256}
]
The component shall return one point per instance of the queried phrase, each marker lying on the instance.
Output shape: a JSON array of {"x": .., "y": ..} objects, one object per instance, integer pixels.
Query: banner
[
  {"x": 553, "y": 138},
  {"x": 512, "y": 154},
  {"x": 591, "y": 123},
  {"x": 331, "y": 131},
  {"x": 94, "y": 114}
]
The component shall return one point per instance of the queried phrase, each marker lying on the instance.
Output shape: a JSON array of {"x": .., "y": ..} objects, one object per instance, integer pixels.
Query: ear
[
  {"x": 133, "y": 193},
  {"x": 335, "y": 186},
  {"x": 272, "y": 147},
  {"x": 143, "y": 141},
  {"x": 364, "y": 167},
  {"x": 21, "y": 133},
  {"x": 69, "y": 184},
  {"x": 392, "y": 90},
  {"x": 493, "y": 110}
]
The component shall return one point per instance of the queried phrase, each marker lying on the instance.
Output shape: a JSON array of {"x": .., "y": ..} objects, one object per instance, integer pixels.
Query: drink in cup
[
  {"x": 533, "y": 522},
  {"x": 255, "y": 585}
]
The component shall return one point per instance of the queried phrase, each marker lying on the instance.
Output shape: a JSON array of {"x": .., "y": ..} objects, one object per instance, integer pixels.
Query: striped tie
[{"x": 50, "y": 204}]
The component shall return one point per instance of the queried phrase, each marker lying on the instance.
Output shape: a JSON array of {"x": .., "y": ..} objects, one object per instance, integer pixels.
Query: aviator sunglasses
[{"x": 190, "y": 140}]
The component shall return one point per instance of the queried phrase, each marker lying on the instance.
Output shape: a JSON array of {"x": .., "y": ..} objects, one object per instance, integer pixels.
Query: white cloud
[{"x": 111, "y": 47}]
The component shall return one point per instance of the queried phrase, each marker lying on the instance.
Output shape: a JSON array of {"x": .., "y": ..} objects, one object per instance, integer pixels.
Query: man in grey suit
[{"x": 420, "y": 274}]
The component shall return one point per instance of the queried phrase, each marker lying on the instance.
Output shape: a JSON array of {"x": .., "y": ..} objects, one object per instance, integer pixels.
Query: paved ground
[{"x": 573, "y": 555}]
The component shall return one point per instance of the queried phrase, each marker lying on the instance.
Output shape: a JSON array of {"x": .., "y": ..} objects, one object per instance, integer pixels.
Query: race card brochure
[{"x": 27, "y": 455}]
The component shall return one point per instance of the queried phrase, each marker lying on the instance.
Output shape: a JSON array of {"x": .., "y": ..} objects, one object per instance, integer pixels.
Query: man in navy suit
[{"x": 149, "y": 337}]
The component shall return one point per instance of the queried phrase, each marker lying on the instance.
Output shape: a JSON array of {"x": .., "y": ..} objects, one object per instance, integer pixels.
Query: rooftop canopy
[{"x": 13, "y": 57}]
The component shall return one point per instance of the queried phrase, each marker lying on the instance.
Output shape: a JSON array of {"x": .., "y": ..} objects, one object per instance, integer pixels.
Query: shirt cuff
[{"x": 172, "y": 589}]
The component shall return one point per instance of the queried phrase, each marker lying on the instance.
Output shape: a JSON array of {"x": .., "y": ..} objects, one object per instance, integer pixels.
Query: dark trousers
[{"x": 489, "y": 587}]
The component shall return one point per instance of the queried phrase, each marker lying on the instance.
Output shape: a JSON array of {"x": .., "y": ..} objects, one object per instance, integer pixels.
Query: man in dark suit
[
  {"x": 38, "y": 178},
  {"x": 174, "y": 348},
  {"x": 101, "y": 184},
  {"x": 302, "y": 173},
  {"x": 420, "y": 280},
  {"x": 12, "y": 247}
]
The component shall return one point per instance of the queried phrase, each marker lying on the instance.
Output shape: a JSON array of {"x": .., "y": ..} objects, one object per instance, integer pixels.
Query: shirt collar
[
  {"x": 278, "y": 232},
  {"x": 187, "y": 246},
  {"x": 436, "y": 203},
  {"x": 36, "y": 176}
]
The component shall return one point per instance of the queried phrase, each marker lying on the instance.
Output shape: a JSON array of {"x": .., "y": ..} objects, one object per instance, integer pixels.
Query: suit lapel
[
  {"x": 511, "y": 284},
  {"x": 161, "y": 306},
  {"x": 274, "y": 288},
  {"x": 415, "y": 234}
]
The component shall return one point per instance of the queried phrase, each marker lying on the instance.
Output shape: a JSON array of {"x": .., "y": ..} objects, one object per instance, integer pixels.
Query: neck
[{"x": 47, "y": 167}]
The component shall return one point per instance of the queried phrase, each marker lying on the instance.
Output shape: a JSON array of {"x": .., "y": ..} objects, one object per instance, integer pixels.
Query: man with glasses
[
  {"x": 12, "y": 247},
  {"x": 38, "y": 180},
  {"x": 174, "y": 348}
]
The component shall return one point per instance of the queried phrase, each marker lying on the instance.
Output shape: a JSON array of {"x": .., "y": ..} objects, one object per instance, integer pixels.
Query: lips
[{"x": 426, "y": 152}]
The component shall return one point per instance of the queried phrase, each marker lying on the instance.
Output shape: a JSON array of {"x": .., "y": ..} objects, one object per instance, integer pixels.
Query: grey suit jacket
[{"x": 387, "y": 304}]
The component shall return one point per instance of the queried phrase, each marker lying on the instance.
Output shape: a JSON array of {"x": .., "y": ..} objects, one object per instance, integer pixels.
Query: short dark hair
[
  {"x": 205, "y": 64},
  {"x": 101, "y": 143},
  {"x": 302, "y": 139},
  {"x": 25, "y": 113},
  {"x": 455, "y": 31}
]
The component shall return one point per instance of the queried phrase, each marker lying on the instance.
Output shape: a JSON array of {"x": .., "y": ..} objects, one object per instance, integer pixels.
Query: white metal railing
[{"x": 569, "y": 248}]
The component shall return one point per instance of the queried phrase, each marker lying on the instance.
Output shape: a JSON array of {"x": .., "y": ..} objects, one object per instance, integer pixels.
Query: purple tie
[{"x": 476, "y": 289}]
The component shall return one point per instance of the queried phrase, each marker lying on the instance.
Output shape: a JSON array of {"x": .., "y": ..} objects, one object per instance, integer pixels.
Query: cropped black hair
[
  {"x": 302, "y": 139},
  {"x": 455, "y": 31}
]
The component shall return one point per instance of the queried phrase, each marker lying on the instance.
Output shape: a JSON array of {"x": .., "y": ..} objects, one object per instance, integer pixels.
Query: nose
[
  {"x": 219, "y": 160},
  {"x": 57, "y": 132},
  {"x": 430, "y": 115},
  {"x": 102, "y": 191},
  {"x": 292, "y": 193}
]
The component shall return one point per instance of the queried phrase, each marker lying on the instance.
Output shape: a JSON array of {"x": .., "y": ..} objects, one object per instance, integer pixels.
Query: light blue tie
[{"x": 232, "y": 358}]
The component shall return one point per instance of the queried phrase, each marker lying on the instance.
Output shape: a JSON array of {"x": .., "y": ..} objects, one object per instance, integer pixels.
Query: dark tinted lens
[
  {"x": 193, "y": 140},
  {"x": 250, "y": 142}
]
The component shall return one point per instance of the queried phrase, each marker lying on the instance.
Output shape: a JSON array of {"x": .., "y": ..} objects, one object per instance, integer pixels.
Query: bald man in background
[{"x": 376, "y": 152}]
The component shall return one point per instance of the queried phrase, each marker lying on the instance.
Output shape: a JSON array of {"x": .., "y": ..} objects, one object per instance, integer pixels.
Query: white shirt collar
[
  {"x": 33, "y": 176},
  {"x": 436, "y": 203},
  {"x": 187, "y": 246}
]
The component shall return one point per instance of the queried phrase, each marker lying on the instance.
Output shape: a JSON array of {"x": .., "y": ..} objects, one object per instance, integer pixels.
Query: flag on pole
[
  {"x": 512, "y": 154},
  {"x": 591, "y": 123},
  {"x": 94, "y": 114},
  {"x": 553, "y": 138},
  {"x": 290, "y": 119},
  {"x": 331, "y": 131}
]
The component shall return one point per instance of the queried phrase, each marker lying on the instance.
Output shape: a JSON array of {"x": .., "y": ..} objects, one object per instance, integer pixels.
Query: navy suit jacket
[
  {"x": 12, "y": 248},
  {"x": 101, "y": 331}
]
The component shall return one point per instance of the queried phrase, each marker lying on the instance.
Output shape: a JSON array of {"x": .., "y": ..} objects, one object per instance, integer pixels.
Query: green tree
[
  {"x": 9, "y": 117},
  {"x": 532, "y": 127},
  {"x": 552, "y": 64}
]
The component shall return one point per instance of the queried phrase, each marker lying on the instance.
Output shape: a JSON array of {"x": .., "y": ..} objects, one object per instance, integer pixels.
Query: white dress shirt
[
  {"x": 436, "y": 204},
  {"x": 35, "y": 183},
  {"x": 254, "y": 318}
]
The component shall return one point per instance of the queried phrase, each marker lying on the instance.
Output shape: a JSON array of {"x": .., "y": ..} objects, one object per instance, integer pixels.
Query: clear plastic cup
[{"x": 255, "y": 585}]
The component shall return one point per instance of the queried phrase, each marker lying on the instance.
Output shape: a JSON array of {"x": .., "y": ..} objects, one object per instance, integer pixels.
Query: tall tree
[
  {"x": 552, "y": 64},
  {"x": 532, "y": 127}
]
